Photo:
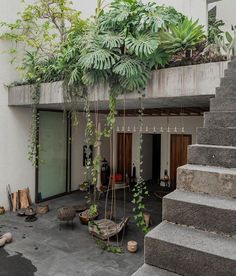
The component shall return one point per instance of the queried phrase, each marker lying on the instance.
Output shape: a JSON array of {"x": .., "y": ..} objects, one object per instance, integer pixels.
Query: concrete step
[
  {"x": 220, "y": 119},
  {"x": 227, "y": 81},
  {"x": 210, "y": 180},
  {"x": 187, "y": 251},
  {"x": 149, "y": 270},
  {"x": 207, "y": 155},
  {"x": 232, "y": 64},
  {"x": 230, "y": 73},
  {"x": 226, "y": 92},
  {"x": 205, "y": 212},
  {"x": 226, "y": 104},
  {"x": 216, "y": 136}
]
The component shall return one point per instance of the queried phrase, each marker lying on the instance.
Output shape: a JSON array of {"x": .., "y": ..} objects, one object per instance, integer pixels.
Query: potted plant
[{"x": 89, "y": 214}]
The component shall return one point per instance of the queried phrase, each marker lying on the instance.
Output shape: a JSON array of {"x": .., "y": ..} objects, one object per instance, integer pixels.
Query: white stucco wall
[
  {"x": 226, "y": 10},
  {"x": 15, "y": 169}
]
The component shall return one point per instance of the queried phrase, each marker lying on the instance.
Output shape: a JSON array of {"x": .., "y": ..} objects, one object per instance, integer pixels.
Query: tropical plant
[
  {"x": 182, "y": 37},
  {"x": 227, "y": 44},
  {"x": 214, "y": 29}
]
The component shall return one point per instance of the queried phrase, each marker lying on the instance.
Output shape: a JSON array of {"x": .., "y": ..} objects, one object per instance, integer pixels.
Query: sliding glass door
[{"x": 52, "y": 167}]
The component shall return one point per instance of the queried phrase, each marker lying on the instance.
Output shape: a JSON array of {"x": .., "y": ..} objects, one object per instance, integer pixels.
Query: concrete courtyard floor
[{"x": 41, "y": 248}]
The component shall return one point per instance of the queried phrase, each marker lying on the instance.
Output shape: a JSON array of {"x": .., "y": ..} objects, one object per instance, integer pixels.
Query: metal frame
[{"x": 68, "y": 156}]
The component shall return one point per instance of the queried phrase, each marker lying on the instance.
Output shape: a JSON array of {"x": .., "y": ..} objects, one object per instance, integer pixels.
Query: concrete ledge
[
  {"x": 186, "y": 81},
  {"x": 205, "y": 212},
  {"x": 187, "y": 251},
  {"x": 210, "y": 180}
]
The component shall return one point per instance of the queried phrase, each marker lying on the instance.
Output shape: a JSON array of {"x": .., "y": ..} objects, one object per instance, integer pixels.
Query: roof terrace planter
[{"x": 194, "y": 81}]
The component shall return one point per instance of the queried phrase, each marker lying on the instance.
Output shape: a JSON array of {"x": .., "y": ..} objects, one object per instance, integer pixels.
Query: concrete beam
[{"x": 183, "y": 85}]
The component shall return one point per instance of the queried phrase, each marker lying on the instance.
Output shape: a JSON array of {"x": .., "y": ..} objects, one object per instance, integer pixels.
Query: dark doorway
[
  {"x": 178, "y": 153},
  {"x": 156, "y": 156},
  {"x": 124, "y": 153},
  {"x": 151, "y": 152}
]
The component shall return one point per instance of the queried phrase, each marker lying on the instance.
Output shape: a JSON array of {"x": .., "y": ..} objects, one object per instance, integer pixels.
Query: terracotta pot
[{"x": 132, "y": 246}]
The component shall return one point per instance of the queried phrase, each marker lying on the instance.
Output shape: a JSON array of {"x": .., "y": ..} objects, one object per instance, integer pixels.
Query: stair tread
[
  {"x": 194, "y": 239},
  {"x": 203, "y": 199},
  {"x": 213, "y": 146},
  {"x": 150, "y": 270}
]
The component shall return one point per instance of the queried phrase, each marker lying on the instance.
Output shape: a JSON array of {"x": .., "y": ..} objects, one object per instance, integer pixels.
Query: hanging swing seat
[{"x": 106, "y": 228}]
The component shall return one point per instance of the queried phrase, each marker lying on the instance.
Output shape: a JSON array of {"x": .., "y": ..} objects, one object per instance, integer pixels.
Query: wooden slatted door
[
  {"x": 178, "y": 153},
  {"x": 124, "y": 153}
]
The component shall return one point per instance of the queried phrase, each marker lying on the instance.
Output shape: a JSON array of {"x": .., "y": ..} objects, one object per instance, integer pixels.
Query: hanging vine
[{"x": 140, "y": 190}]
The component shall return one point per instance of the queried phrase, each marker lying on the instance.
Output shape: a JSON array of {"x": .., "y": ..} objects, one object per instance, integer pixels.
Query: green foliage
[
  {"x": 214, "y": 29},
  {"x": 182, "y": 37},
  {"x": 109, "y": 247},
  {"x": 227, "y": 44},
  {"x": 140, "y": 189}
]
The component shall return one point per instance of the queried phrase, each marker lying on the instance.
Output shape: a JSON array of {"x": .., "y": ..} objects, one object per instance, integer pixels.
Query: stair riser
[
  {"x": 216, "y": 136},
  {"x": 213, "y": 183},
  {"x": 232, "y": 65},
  {"x": 226, "y": 82},
  {"x": 227, "y": 104},
  {"x": 200, "y": 216},
  {"x": 219, "y": 119},
  {"x": 212, "y": 156},
  {"x": 229, "y": 92},
  {"x": 186, "y": 261},
  {"x": 230, "y": 73}
]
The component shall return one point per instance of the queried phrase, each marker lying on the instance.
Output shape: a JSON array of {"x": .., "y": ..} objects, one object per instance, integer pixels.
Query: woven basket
[
  {"x": 2, "y": 210},
  {"x": 66, "y": 213},
  {"x": 42, "y": 209}
]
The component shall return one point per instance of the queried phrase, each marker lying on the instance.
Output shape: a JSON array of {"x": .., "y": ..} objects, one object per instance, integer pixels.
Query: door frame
[{"x": 68, "y": 156}]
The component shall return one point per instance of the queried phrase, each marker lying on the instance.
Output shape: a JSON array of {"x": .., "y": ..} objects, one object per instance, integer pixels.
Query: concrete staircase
[{"x": 198, "y": 234}]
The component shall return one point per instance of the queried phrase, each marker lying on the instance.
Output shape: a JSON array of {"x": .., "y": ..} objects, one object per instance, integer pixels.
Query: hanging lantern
[
  {"x": 175, "y": 129},
  {"x": 118, "y": 129},
  {"x": 134, "y": 129},
  {"x": 161, "y": 129}
]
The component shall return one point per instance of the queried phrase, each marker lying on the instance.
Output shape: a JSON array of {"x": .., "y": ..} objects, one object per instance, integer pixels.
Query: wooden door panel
[
  {"x": 178, "y": 153},
  {"x": 124, "y": 153}
]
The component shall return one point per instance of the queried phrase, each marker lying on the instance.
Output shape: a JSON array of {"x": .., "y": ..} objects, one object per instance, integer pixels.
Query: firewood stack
[{"x": 19, "y": 200}]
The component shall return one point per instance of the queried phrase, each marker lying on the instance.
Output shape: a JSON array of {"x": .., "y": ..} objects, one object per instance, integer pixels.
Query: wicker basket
[
  {"x": 66, "y": 213},
  {"x": 2, "y": 210},
  {"x": 85, "y": 217},
  {"x": 42, "y": 209}
]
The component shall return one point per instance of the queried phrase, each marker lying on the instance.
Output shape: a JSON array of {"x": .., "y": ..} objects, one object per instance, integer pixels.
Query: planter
[
  {"x": 85, "y": 217},
  {"x": 132, "y": 246}
]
